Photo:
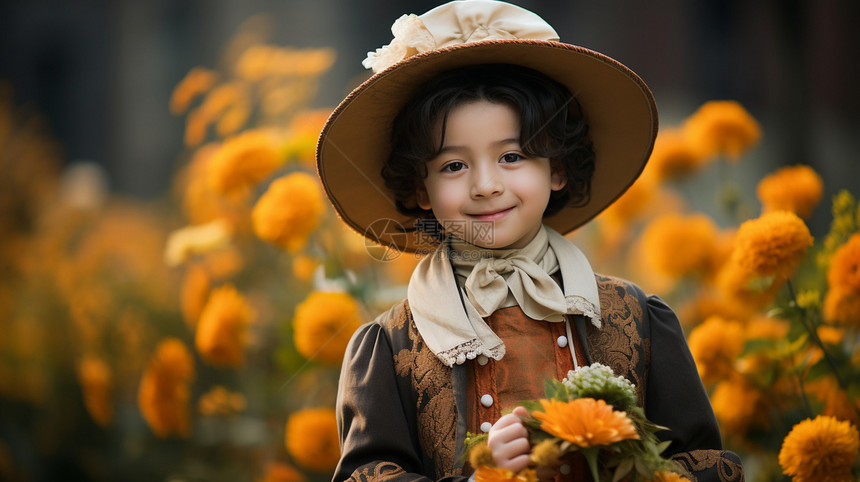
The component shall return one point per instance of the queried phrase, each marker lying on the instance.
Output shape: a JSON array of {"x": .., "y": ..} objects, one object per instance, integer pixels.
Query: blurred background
[
  {"x": 91, "y": 82},
  {"x": 102, "y": 71}
]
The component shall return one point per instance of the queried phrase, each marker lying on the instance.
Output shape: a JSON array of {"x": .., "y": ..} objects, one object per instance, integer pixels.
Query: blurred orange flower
[
  {"x": 820, "y": 449},
  {"x": 323, "y": 324},
  {"x": 772, "y": 244},
  {"x": 242, "y": 162},
  {"x": 585, "y": 421},
  {"x": 844, "y": 270},
  {"x": 165, "y": 392},
  {"x": 281, "y": 472},
  {"x": 796, "y": 188},
  {"x": 493, "y": 474},
  {"x": 222, "y": 331},
  {"x": 304, "y": 267},
  {"x": 665, "y": 476},
  {"x": 676, "y": 245},
  {"x": 836, "y": 401},
  {"x": 715, "y": 344},
  {"x": 635, "y": 201},
  {"x": 673, "y": 157},
  {"x": 195, "y": 292},
  {"x": 842, "y": 306},
  {"x": 311, "y": 438},
  {"x": 97, "y": 383},
  {"x": 737, "y": 404},
  {"x": 722, "y": 127},
  {"x": 189, "y": 241},
  {"x": 303, "y": 132},
  {"x": 197, "y": 81},
  {"x": 220, "y": 401},
  {"x": 289, "y": 211}
]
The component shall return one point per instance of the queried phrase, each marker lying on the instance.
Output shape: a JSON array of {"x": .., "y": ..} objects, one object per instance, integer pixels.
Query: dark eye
[
  {"x": 511, "y": 157},
  {"x": 453, "y": 166}
]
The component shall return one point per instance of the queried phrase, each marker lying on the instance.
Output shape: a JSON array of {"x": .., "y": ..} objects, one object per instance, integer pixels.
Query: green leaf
[
  {"x": 623, "y": 469},
  {"x": 662, "y": 446}
]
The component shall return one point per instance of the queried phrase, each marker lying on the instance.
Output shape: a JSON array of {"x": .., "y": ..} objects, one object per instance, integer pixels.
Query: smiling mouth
[{"x": 491, "y": 216}]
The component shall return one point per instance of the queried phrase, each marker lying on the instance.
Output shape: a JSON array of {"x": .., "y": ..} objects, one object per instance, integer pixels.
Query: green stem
[
  {"x": 590, "y": 454},
  {"x": 813, "y": 334}
]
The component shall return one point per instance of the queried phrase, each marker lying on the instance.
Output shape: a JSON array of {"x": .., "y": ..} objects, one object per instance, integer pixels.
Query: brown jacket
[{"x": 398, "y": 405}]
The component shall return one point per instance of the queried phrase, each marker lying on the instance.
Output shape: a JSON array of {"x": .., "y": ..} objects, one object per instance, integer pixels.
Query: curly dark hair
[{"x": 552, "y": 126}]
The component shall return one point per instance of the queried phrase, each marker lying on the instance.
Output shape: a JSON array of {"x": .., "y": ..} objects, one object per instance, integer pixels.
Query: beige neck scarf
[{"x": 495, "y": 279}]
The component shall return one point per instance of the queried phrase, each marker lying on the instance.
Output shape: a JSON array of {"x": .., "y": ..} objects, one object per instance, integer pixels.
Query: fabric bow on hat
[{"x": 458, "y": 23}]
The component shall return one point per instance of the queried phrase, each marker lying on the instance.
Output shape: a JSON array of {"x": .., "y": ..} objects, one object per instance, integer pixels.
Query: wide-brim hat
[{"x": 356, "y": 140}]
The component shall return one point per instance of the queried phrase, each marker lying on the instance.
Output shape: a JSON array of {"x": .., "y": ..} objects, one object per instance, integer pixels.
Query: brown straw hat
[{"x": 356, "y": 140}]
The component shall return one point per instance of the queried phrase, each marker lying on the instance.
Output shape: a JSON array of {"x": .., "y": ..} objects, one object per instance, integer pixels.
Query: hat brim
[{"x": 355, "y": 141}]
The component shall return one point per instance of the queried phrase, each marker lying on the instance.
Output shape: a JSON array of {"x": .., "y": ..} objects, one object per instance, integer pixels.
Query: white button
[
  {"x": 461, "y": 359},
  {"x": 562, "y": 341},
  {"x": 471, "y": 355},
  {"x": 564, "y": 469},
  {"x": 487, "y": 400},
  {"x": 486, "y": 426},
  {"x": 483, "y": 360}
]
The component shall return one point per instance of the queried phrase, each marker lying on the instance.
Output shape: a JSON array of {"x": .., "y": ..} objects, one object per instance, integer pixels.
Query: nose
[{"x": 486, "y": 183}]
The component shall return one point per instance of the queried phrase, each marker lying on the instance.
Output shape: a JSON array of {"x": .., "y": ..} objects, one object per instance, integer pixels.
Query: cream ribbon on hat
[
  {"x": 455, "y": 23},
  {"x": 497, "y": 279}
]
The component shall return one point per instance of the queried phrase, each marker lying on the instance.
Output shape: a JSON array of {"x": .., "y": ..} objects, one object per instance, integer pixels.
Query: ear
[
  {"x": 558, "y": 178},
  {"x": 421, "y": 196}
]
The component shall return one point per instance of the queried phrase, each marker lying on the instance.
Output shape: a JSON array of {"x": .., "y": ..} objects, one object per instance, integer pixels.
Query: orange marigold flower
[
  {"x": 844, "y": 270},
  {"x": 97, "y": 382},
  {"x": 736, "y": 405},
  {"x": 195, "y": 292},
  {"x": 722, "y": 127},
  {"x": 281, "y": 472},
  {"x": 197, "y": 81},
  {"x": 311, "y": 439},
  {"x": 242, "y": 162},
  {"x": 842, "y": 306},
  {"x": 585, "y": 421},
  {"x": 165, "y": 391},
  {"x": 222, "y": 331},
  {"x": 493, "y": 474},
  {"x": 820, "y": 449},
  {"x": 673, "y": 157},
  {"x": 796, "y": 188},
  {"x": 323, "y": 324},
  {"x": 771, "y": 245},
  {"x": 289, "y": 211},
  {"x": 677, "y": 245},
  {"x": 715, "y": 345}
]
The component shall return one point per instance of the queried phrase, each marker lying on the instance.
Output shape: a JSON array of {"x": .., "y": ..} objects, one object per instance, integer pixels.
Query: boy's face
[{"x": 481, "y": 187}]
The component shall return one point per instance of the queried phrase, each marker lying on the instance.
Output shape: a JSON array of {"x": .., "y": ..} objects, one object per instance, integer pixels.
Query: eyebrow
[{"x": 502, "y": 142}]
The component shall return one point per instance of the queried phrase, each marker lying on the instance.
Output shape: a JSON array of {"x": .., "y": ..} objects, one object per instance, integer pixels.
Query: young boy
[{"x": 481, "y": 152}]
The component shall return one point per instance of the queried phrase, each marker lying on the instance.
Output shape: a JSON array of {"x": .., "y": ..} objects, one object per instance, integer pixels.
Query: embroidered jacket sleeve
[
  {"x": 675, "y": 398},
  {"x": 378, "y": 422}
]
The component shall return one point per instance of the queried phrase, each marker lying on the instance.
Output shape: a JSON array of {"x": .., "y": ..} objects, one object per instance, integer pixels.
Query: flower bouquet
[{"x": 594, "y": 412}]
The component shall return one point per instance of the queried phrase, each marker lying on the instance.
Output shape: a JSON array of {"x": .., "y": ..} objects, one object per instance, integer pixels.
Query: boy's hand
[{"x": 508, "y": 441}]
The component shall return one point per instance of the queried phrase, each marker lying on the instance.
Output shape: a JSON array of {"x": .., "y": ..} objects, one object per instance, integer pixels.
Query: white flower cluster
[
  {"x": 410, "y": 37},
  {"x": 597, "y": 378}
]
